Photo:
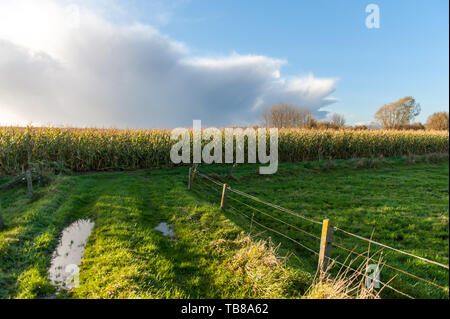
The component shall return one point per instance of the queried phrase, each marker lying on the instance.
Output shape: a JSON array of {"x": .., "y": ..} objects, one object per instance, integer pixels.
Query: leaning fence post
[
  {"x": 223, "y": 202},
  {"x": 190, "y": 179},
  {"x": 326, "y": 242}
]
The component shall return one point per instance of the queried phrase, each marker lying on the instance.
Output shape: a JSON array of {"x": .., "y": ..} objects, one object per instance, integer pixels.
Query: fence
[{"x": 324, "y": 256}]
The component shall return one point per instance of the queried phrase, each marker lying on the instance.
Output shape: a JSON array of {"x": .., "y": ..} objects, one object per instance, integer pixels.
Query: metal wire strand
[
  {"x": 274, "y": 206},
  {"x": 209, "y": 178},
  {"x": 317, "y": 222},
  {"x": 392, "y": 248},
  {"x": 312, "y": 235},
  {"x": 209, "y": 186},
  {"x": 389, "y": 266},
  {"x": 277, "y": 219},
  {"x": 275, "y": 231},
  {"x": 314, "y": 252},
  {"x": 261, "y": 201},
  {"x": 364, "y": 275}
]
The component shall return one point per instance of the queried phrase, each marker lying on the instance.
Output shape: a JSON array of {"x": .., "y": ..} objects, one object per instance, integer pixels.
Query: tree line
[{"x": 395, "y": 115}]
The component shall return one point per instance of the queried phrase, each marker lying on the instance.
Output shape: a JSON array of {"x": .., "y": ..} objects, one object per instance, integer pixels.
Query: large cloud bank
[{"x": 69, "y": 66}]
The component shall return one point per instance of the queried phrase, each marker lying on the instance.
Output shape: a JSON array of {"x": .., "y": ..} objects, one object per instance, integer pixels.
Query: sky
[{"x": 154, "y": 63}]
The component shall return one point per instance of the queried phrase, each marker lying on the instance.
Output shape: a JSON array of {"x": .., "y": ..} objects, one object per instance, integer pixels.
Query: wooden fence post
[
  {"x": 326, "y": 242},
  {"x": 190, "y": 179},
  {"x": 29, "y": 183},
  {"x": 223, "y": 202}
]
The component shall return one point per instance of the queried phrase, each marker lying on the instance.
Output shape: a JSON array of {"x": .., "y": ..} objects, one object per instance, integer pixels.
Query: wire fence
[{"x": 238, "y": 200}]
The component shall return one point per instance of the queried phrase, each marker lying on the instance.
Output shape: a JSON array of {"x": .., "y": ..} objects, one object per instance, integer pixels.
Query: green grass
[
  {"x": 406, "y": 204},
  {"x": 125, "y": 257}
]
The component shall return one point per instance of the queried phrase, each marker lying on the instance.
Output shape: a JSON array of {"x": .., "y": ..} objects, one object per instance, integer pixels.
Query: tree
[
  {"x": 338, "y": 120},
  {"x": 438, "y": 121},
  {"x": 396, "y": 114},
  {"x": 286, "y": 115}
]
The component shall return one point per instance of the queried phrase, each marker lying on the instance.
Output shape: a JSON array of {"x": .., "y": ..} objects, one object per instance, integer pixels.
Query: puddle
[
  {"x": 63, "y": 271},
  {"x": 166, "y": 229}
]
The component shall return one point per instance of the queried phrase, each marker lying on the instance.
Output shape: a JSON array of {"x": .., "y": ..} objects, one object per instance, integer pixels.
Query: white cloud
[{"x": 97, "y": 73}]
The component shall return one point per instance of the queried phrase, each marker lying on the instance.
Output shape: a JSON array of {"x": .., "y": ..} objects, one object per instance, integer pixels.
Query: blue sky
[
  {"x": 407, "y": 55},
  {"x": 327, "y": 42}
]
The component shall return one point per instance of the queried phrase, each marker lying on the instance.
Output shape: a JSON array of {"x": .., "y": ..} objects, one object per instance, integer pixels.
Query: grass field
[{"x": 406, "y": 203}]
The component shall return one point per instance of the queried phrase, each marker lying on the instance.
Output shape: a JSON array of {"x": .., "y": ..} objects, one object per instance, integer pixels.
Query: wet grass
[
  {"x": 405, "y": 202},
  {"x": 125, "y": 256}
]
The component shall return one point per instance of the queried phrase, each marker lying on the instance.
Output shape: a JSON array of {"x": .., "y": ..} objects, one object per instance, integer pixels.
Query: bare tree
[
  {"x": 338, "y": 120},
  {"x": 438, "y": 121},
  {"x": 398, "y": 113},
  {"x": 286, "y": 115}
]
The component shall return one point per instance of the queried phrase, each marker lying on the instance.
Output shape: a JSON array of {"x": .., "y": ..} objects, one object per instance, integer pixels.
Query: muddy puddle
[
  {"x": 166, "y": 230},
  {"x": 64, "y": 269}
]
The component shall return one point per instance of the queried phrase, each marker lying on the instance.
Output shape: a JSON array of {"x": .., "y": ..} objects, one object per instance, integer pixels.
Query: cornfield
[{"x": 84, "y": 150}]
